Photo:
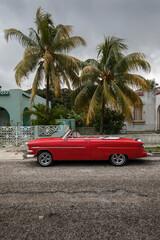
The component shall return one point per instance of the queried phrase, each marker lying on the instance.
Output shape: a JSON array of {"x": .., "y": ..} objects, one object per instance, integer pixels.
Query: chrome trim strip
[
  {"x": 29, "y": 151},
  {"x": 58, "y": 147},
  {"x": 69, "y": 147}
]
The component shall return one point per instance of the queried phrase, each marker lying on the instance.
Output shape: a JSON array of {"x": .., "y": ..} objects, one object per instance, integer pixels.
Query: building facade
[
  {"x": 13, "y": 103},
  {"x": 147, "y": 117}
]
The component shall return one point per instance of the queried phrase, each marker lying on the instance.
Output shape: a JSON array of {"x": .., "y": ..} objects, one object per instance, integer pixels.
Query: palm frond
[
  {"x": 110, "y": 52},
  {"x": 69, "y": 44},
  {"x": 90, "y": 73},
  {"x": 78, "y": 89},
  {"x": 45, "y": 27},
  {"x": 66, "y": 62},
  {"x": 43, "y": 19},
  {"x": 24, "y": 67},
  {"x": 64, "y": 31},
  {"x": 88, "y": 62},
  {"x": 36, "y": 38},
  {"x": 74, "y": 78},
  {"x": 133, "y": 61},
  {"x": 18, "y": 35},
  {"x": 31, "y": 51},
  {"x": 70, "y": 72},
  {"x": 132, "y": 95},
  {"x": 124, "y": 103},
  {"x": 94, "y": 103},
  {"x": 109, "y": 44},
  {"x": 61, "y": 32},
  {"x": 84, "y": 94},
  {"x": 136, "y": 80},
  {"x": 66, "y": 81},
  {"x": 93, "y": 62},
  {"x": 38, "y": 110},
  {"x": 107, "y": 95},
  {"x": 37, "y": 81}
]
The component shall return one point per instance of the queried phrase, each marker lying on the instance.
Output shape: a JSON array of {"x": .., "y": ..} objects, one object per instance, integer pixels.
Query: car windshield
[
  {"x": 74, "y": 134},
  {"x": 66, "y": 134},
  {"x": 71, "y": 134}
]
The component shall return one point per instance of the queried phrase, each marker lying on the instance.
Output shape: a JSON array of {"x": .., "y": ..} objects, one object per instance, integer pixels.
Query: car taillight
[{"x": 138, "y": 140}]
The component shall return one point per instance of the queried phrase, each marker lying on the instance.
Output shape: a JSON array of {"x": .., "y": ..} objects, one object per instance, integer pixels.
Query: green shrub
[{"x": 113, "y": 121}]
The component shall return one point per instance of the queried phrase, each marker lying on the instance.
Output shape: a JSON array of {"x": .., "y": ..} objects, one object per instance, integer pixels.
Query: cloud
[{"x": 137, "y": 21}]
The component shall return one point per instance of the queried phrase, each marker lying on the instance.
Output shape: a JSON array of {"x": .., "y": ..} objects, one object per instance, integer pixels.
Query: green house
[{"x": 13, "y": 103}]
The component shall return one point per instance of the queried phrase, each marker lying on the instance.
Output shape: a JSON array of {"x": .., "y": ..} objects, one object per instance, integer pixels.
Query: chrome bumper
[
  {"x": 150, "y": 154},
  {"x": 29, "y": 156}
]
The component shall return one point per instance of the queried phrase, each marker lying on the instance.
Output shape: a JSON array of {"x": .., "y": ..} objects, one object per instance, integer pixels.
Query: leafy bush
[
  {"x": 44, "y": 118},
  {"x": 113, "y": 121}
]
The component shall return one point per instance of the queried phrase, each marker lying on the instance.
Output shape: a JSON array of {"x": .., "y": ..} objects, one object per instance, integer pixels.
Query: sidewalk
[{"x": 12, "y": 152}]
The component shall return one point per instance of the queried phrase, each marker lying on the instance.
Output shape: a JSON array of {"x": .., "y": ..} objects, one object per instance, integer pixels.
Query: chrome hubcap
[
  {"x": 45, "y": 159},
  {"x": 118, "y": 159}
]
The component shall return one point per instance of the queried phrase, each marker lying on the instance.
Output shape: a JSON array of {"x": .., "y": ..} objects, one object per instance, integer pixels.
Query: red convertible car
[{"x": 69, "y": 147}]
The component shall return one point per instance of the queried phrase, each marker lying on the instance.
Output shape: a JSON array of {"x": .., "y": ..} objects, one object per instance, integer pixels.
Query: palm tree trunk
[
  {"x": 47, "y": 95},
  {"x": 102, "y": 118}
]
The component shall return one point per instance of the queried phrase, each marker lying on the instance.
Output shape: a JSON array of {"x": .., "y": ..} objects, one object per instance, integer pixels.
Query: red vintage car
[{"x": 71, "y": 147}]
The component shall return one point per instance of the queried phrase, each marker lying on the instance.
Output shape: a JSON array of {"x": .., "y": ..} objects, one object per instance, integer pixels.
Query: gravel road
[{"x": 80, "y": 200}]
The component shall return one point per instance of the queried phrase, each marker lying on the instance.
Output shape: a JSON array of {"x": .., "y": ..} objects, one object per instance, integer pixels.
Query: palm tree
[
  {"x": 42, "y": 116},
  {"x": 108, "y": 82},
  {"x": 46, "y": 52}
]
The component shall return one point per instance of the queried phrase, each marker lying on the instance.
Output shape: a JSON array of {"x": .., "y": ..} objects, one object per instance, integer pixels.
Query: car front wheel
[
  {"x": 45, "y": 159},
  {"x": 118, "y": 159}
]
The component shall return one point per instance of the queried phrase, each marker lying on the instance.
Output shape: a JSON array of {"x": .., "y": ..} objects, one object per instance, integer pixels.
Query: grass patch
[{"x": 153, "y": 149}]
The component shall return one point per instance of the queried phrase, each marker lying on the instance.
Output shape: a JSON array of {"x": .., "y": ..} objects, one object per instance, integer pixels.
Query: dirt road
[{"x": 80, "y": 200}]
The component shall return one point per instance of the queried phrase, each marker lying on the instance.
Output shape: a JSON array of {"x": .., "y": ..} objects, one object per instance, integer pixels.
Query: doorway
[{"x": 4, "y": 117}]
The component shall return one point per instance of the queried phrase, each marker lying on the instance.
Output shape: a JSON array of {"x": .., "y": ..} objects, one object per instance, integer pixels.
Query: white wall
[{"x": 151, "y": 101}]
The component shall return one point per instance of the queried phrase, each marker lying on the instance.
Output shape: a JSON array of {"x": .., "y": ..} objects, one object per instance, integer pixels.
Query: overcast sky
[{"x": 137, "y": 21}]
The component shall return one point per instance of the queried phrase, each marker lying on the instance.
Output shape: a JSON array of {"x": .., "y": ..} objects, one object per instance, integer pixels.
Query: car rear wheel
[
  {"x": 45, "y": 159},
  {"x": 118, "y": 159}
]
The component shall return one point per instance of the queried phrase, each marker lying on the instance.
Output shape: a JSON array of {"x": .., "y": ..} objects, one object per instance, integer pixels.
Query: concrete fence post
[{"x": 36, "y": 132}]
